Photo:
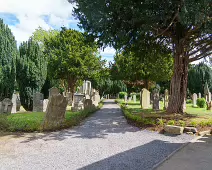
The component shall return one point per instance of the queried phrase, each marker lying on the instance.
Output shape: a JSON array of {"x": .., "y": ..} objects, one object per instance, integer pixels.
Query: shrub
[
  {"x": 122, "y": 94},
  {"x": 160, "y": 122},
  {"x": 201, "y": 102},
  {"x": 3, "y": 122},
  {"x": 189, "y": 101},
  {"x": 182, "y": 123},
  {"x": 171, "y": 122}
]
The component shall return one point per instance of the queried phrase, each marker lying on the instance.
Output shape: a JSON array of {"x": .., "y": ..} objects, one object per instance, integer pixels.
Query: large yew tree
[{"x": 184, "y": 25}]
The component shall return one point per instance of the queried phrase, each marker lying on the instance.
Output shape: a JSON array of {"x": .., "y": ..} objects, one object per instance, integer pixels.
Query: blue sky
[{"x": 24, "y": 16}]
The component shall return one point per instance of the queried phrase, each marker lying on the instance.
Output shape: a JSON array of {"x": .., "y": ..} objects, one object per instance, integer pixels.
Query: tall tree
[
  {"x": 198, "y": 76},
  {"x": 31, "y": 72},
  {"x": 72, "y": 57},
  {"x": 184, "y": 25},
  {"x": 8, "y": 54}
]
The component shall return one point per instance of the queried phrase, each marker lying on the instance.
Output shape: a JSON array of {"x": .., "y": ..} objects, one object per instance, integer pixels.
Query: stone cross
[
  {"x": 134, "y": 98},
  {"x": 6, "y": 106},
  {"x": 156, "y": 99},
  {"x": 145, "y": 99},
  {"x": 166, "y": 99},
  {"x": 53, "y": 91},
  {"x": 194, "y": 98},
  {"x": 37, "y": 102},
  {"x": 55, "y": 112}
]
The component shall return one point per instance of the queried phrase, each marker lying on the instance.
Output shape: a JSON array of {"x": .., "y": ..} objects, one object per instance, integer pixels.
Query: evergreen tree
[
  {"x": 31, "y": 72},
  {"x": 8, "y": 53}
]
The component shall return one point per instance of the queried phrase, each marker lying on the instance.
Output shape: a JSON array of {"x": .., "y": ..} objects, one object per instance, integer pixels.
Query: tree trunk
[
  {"x": 179, "y": 80},
  {"x": 71, "y": 86}
]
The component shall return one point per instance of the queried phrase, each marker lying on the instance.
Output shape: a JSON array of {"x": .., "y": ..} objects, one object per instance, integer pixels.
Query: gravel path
[{"x": 104, "y": 141}]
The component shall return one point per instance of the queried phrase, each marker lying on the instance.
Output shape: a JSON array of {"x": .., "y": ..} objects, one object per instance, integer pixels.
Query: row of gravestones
[
  {"x": 145, "y": 99},
  {"x": 207, "y": 98}
]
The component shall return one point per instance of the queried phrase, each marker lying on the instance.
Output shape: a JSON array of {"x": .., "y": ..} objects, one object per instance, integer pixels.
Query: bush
[
  {"x": 3, "y": 122},
  {"x": 171, "y": 122},
  {"x": 189, "y": 101},
  {"x": 201, "y": 102},
  {"x": 122, "y": 94}
]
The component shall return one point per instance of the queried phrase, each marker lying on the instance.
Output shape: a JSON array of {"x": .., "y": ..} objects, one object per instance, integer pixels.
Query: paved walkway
[
  {"x": 104, "y": 141},
  {"x": 195, "y": 156}
]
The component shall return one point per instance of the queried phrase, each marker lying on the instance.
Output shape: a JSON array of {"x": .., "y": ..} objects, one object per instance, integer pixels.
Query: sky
[{"x": 24, "y": 16}]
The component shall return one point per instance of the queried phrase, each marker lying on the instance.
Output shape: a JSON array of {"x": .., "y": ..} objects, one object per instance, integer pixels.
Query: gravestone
[
  {"x": 18, "y": 103},
  {"x": 53, "y": 91},
  {"x": 156, "y": 99},
  {"x": 78, "y": 102},
  {"x": 45, "y": 104},
  {"x": 6, "y": 106},
  {"x": 88, "y": 104},
  {"x": 96, "y": 97},
  {"x": 145, "y": 99},
  {"x": 134, "y": 98},
  {"x": 69, "y": 98},
  {"x": 166, "y": 99},
  {"x": 37, "y": 102},
  {"x": 129, "y": 99},
  {"x": 209, "y": 96},
  {"x": 199, "y": 95},
  {"x": 55, "y": 112},
  {"x": 209, "y": 105},
  {"x": 184, "y": 105},
  {"x": 206, "y": 92},
  {"x": 14, "y": 101},
  {"x": 194, "y": 98},
  {"x": 125, "y": 98}
]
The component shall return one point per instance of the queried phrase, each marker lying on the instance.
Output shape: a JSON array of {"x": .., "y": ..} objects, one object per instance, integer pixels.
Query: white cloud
[
  {"x": 108, "y": 51},
  {"x": 31, "y": 14}
]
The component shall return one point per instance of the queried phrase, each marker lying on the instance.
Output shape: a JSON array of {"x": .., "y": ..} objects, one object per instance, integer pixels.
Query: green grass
[{"x": 32, "y": 121}]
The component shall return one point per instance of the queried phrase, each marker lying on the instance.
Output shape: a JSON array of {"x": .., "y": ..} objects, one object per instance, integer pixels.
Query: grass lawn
[
  {"x": 198, "y": 117},
  {"x": 32, "y": 121}
]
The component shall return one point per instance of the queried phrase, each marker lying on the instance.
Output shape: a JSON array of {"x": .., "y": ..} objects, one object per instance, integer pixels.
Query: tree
[
  {"x": 8, "y": 54},
  {"x": 198, "y": 76},
  {"x": 72, "y": 57},
  {"x": 183, "y": 25},
  {"x": 31, "y": 72}
]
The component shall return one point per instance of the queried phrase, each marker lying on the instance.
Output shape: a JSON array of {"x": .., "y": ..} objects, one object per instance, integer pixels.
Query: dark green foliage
[
  {"x": 201, "y": 102},
  {"x": 198, "y": 75},
  {"x": 122, "y": 94},
  {"x": 31, "y": 72},
  {"x": 8, "y": 54}
]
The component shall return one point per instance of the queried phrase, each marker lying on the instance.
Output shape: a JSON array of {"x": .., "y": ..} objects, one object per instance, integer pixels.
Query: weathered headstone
[
  {"x": 53, "y": 91},
  {"x": 14, "y": 101},
  {"x": 88, "y": 104},
  {"x": 6, "y": 106},
  {"x": 194, "y": 98},
  {"x": 209, "y": 96},
  {"x": 166, "y": 99},
  {"x": 199, "y": 95},
  {"x": 125, "y": 98},
  {"x": 78, "y": 102},
  {"x": 45, "y": 104},
  {"x": 134, "y": 98},
  {"x": 18, "y": 103},
  {"x": 145, "y": 99},
  {"x": 156, "y": 99},
  {"x": 37, "y": 102},
  {"x": 55, "y": 113},
  {"x": 209, "y": 105},
  {"x": 206, "y": 92}
]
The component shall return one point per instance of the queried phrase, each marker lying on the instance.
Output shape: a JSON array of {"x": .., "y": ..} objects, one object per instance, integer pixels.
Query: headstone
[
  {"x": 18, "y": 103},
  {"x": 37, "y": 102},
  {"x": 199, "y": 95},
  {"x": 78, "y": 102},
  {"x": 64, "y": 94},
  {"x": 134, "y": 98},
  {"x": 184, "y": 105},
  {"x": 14, "y": 101},
  {"x": 209, "y": 96},
  {"x": 69, "y": 98},
  {"x": 6, "y": 106},
  {"x": 209, "y": 105},
  {"x": 145, "y": 99},
  {"x": 53, "y": 91},
  {"x": 194, "y": 98},
  {"x": 45, "y": 104},
  {"x": 206, "y": 92},
  {"x": 88, "y": 104},
  {"x": 156, "y": 99},
  {"x": 55, "y": 112},
  {"x": 166, "y": 99},
  {"x": 125, "y": 98},
  {"x": 129, "y": 99}
]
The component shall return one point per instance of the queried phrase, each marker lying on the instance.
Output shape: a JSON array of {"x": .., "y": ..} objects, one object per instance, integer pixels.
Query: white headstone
[
  {"x": 125, "y": 98},
  {"x": 145, "y": 99},
  {"x": 14, "y": 101},
  {"x": 134, "y": 98},
  {"x": 45, "y": 104},
  {"x": 199, "y": 95},
  {"x": 209, "y": 96},
  {"x": 194, "y": 98}
]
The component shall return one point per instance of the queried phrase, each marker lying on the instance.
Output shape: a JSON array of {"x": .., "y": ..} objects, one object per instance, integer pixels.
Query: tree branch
[
  {"x": 202, "y": 55},
  {"x": 201, "y": 48}
]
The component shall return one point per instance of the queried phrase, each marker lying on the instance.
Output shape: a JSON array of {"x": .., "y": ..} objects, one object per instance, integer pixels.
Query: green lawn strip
[
  {"x": 198, "y": 117},
  {"x": 32, "y": 121}
]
